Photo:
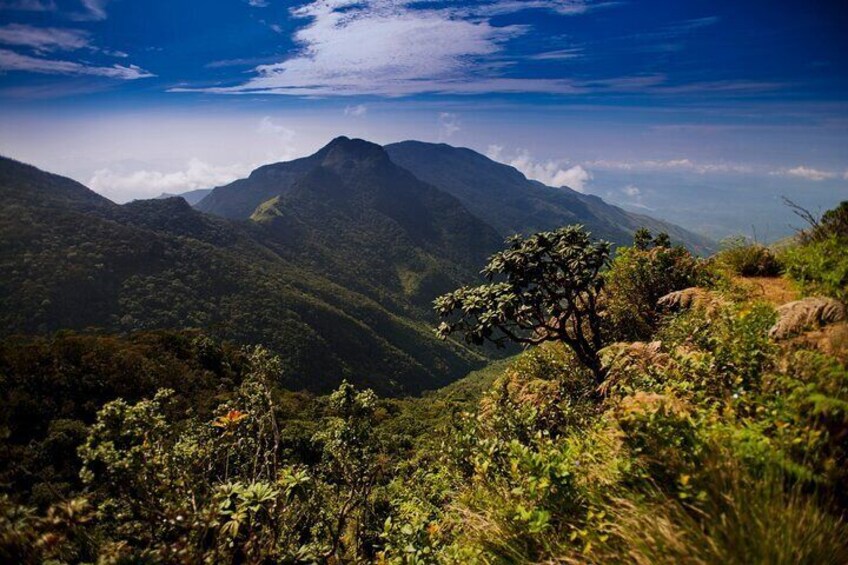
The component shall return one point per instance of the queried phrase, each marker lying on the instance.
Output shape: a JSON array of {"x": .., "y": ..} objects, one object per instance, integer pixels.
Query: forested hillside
[
  {"x": 712, "y": 430},
  {"x": 71, "y": 259}
]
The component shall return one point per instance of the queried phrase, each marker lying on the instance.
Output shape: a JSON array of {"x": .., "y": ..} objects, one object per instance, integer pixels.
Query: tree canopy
[{"x": 544, "y": 287}]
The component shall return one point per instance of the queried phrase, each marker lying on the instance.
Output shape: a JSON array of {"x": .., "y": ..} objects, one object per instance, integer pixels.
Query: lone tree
[{"x": 542, "y": 288}]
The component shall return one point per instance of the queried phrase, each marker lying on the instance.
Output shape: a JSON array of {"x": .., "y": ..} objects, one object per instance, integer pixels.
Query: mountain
[
  {"x": 192, "y": 196},
  {"x": 239, "y": 199},
  {"x": 504, "y": 198},
  {"x": 70, "y": 259},
  {"x": 370, "y": 225}
]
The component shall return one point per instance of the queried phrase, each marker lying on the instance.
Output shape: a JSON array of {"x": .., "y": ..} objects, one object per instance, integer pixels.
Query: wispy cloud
[
  {"x": 449, "y": 124},
  {"x": 633, "y": 196},
  {"x": 269, "y": 126},
  {"x": 29, "y": 5},
  {"x": 559, "y": 54},
  {"x": 44, "y": 39},
  {"x": 93, "y": 10},
  {"x": 681, "y": 164},
  {"x": 11, "y": 61},
  {"x": 356, "y": 111},
  {"x": 564, "y": 7},
  {"x": 808, "y": 173}
]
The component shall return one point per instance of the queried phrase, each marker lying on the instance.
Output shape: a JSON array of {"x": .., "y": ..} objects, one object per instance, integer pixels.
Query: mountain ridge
[
  {"x": 505, "y": 198},
  {"x": 495, "y": 193},
  {"x": 71, "y": 259}
]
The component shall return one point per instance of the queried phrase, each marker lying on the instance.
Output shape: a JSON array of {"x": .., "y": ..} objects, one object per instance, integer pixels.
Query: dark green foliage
[
  {"x": 365, "y": 223},
  {"x": 745, "y": 258},
  {"x": 711, "y": 444},
  {"x": 642, "y": 239},
  {"x": 51, "y": 389},
  {"x": 71, "y": 259},
  {"x": 547, "y": 289},
  {"x": 715, "y": 443},
  {"x": 833, "y": 223},
  {"x": 819, "y": 262},
  {"x": 638, "y": 277}
]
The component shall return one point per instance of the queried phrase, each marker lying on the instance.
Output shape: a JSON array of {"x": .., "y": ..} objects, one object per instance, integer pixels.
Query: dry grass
[
  {"x": 746, "y": 522},
  {"x": 774, "y": 290},
  {"x": 831, "y": 340}
]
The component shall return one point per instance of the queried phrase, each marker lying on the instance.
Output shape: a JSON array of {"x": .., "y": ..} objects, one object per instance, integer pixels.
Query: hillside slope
[
  {"x": 503, "y": 197},
  {"x": 70, "y": 259},
  {"x": 370, "y": 225}
]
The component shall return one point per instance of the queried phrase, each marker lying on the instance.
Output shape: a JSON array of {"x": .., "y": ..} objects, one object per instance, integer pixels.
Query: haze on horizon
[{"x": 703, "y": 113}]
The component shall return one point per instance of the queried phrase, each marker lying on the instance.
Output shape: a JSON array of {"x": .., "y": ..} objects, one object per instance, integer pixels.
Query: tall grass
[{"x": 743, "y": 521}]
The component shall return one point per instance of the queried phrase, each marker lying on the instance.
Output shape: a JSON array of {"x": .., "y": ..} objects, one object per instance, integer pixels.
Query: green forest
[{"x": 663, "y": 409}]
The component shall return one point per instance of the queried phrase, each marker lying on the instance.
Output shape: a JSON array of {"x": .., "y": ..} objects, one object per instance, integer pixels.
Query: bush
[
  {"x": 820, "y": 267},
  {"x": 748, "y": 259},
  {"x": 638, "y": 278}
]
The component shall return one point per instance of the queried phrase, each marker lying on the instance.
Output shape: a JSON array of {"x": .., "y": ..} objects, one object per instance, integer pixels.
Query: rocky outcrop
[
  {"x": 688, "y": 298},
  {"x": 807, "y": 314}
]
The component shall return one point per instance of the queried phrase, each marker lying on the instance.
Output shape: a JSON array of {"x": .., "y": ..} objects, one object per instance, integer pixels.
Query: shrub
[
  {"x": 549, "y": 290},
  {"x": 748, "y": 259},
  {"x": 820, "y": 267},
  {"x": 635, "y": 281}
]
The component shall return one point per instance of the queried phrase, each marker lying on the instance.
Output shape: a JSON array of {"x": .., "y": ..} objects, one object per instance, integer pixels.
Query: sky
[{"x": 667, "y": 107}]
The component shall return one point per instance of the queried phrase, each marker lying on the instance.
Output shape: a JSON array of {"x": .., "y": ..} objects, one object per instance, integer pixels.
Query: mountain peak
[{"x": 345, "y": 148}]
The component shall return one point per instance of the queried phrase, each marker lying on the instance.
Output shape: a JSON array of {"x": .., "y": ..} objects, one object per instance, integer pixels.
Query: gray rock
[
  {"x": 810, "y": 313},
  {"x": 681, "y": 299}
]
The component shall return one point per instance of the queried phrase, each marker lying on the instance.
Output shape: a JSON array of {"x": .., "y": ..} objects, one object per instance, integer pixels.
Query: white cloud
[
  {"x": 44, "y": 39},
  {"x": 809, "y": 173},
  {"x": 356, "y": 111},
  {"x": 258, "y": 3},
  {"x": 449, "y": 124},
  {"x": 29, "y": 5},
  {"x": 633, "y": 196},
  {"x": 551, "y": 173},
  {"x": 631, "y": 191},
  {"x": 268, "y": 126},
  {"x": 122, "y": 186},
  {"x": 559, "y": 54},
  {"x": 564, "y": 7},
  {"x": 95, "y": 11},
  {"x": 681, "y": 164},
  {"x": 11, "y": 61},
  {"x": 400, "y": 48}
]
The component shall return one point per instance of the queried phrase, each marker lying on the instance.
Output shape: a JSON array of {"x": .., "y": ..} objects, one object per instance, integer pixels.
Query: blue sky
[{"x": 630, "y": 100}]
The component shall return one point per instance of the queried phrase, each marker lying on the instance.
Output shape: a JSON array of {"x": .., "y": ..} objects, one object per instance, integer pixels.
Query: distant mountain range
[
  {"x": 331, "y": 260},
  {"x": 498, "y": 194}
]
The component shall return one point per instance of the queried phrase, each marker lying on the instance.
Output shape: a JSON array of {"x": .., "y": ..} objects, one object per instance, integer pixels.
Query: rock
[
  {"x": 682, "y": 299},
  {"x": 810, "y": 313}
]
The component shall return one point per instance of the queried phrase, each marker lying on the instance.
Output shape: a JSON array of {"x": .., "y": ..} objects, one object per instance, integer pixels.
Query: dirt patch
[{"x": 775, "y": 290}]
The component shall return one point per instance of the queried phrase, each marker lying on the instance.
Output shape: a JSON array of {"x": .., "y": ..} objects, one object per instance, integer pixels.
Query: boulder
[
  {"x": 810, "y": 313},
  {"x": 682, "y": 299}
]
